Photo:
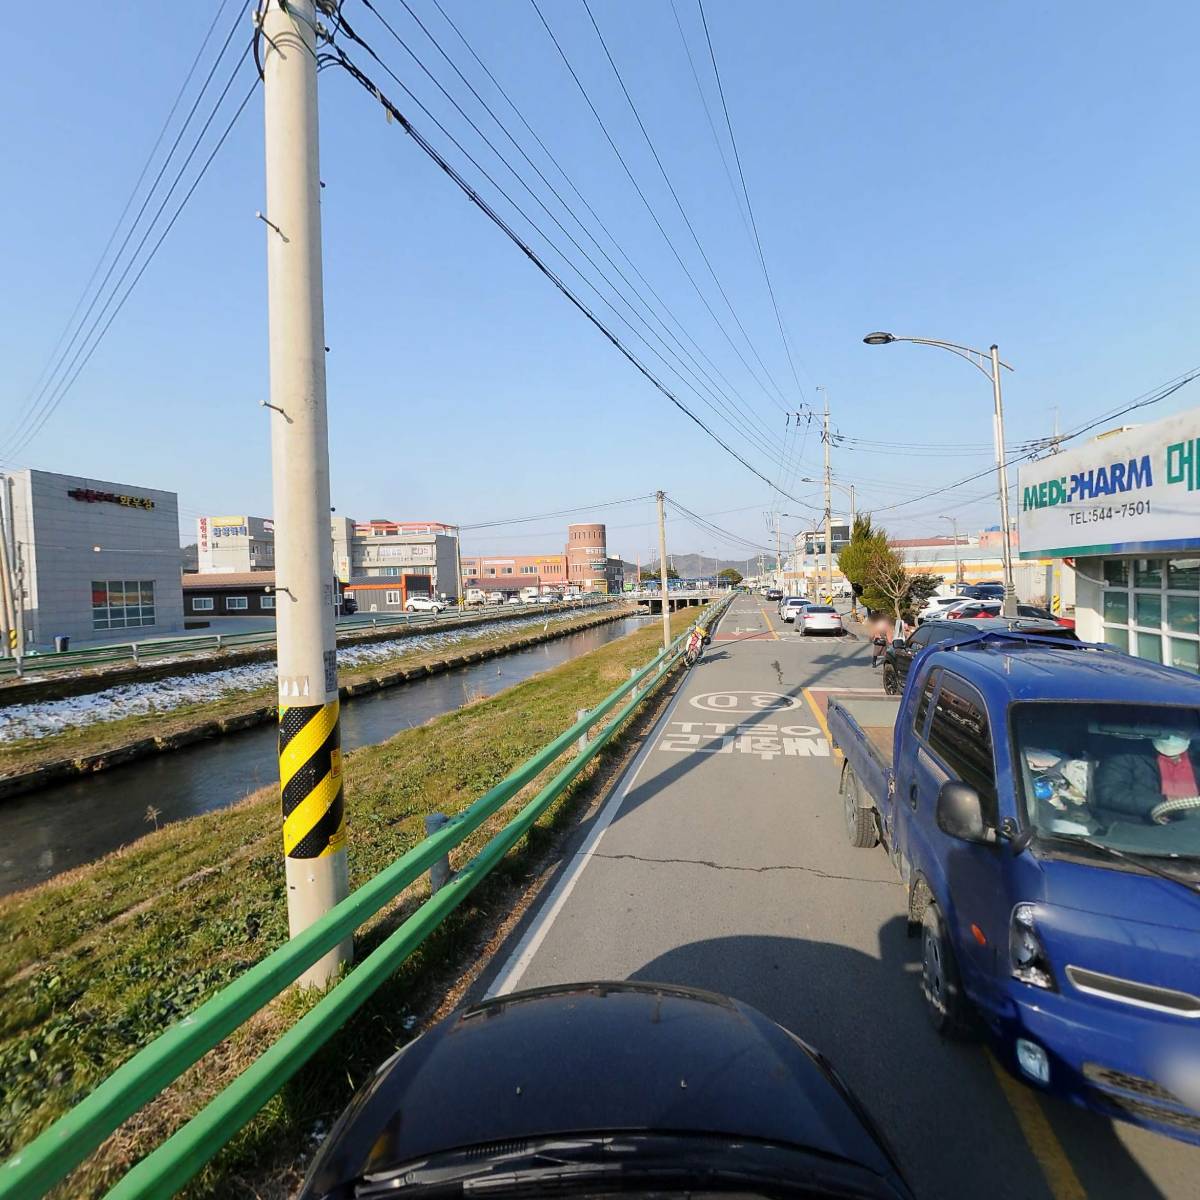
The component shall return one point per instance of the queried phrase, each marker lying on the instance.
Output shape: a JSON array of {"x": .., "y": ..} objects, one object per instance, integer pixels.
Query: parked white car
[
  {"x": 937, "y": 606},
  {"x": 423, "y": 604},
  {"x": 514, "y": 600},
  {"x": 789, "y": 606},
  {"x": 819, "y": 618},
  {"x": 548, "y": 598}
]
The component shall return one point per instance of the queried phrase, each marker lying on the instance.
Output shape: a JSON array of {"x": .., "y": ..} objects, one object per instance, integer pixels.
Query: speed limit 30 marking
[{"x": 744, "y": 702}]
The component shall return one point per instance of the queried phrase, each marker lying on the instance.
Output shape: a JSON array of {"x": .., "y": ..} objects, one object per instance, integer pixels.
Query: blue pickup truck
[{"x": 1040, "y": 802}]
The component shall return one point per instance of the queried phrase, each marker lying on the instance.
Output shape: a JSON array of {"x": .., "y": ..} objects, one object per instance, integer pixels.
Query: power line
[
  {"x": 679, "y": 205},
  {"x": 112, "y": 237},
  {"x": 44, "y": 403},
  {"x": 744, "y": 406},
  {"x": 562, "y": 512},
  {"x": 722, "y": 406},
  {"x": 646, "y": 203},
  {"x": 68, "y": 381},
  {"x": 429, "y": 149},
  {"x": 737, "y": 158},
  {"x": 1154, "y": 396}
]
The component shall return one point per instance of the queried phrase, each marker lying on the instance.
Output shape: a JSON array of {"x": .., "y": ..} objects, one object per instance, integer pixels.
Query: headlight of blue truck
[{"x": 1026, "y": 953}]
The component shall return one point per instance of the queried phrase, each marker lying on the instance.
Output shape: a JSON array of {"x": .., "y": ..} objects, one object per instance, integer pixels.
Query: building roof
[
  {"x": 936, "y": 540},
  {"x": 208, "y": 581}
]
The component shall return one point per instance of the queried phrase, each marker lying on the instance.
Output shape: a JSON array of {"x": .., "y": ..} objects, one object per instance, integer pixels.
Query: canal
[{"x": 74, "y": 823}]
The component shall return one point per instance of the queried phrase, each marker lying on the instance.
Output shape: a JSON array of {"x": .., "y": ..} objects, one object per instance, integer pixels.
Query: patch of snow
[{"x": 49, "y": 717}]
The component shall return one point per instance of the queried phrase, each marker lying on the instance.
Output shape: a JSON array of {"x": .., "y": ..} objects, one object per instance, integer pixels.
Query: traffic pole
[
  {"x": 828, "y": 507},
  {"x": 460, "y": 592},
  {"x": 310, "y": 755},
  {"x": 662, "y": 569},
  {"x": 1009, "y": 608}
]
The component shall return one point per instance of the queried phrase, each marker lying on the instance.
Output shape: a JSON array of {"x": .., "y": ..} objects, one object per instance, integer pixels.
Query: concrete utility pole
[
  {"x": 778, "y": 557},
  {"x": 662, "y": 569},
  {"x": 828, "y": 504},
  {"x": 460, "y": 598},
  {"x": 957, "y": 559},
  {"x": 310, "y": 756},
  {"x": 1010, "y": 590}
]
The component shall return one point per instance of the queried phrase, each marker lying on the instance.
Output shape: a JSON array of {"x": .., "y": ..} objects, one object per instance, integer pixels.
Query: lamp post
[
  {"x": 990, "y": 365},
  {"x": 957, "y": 563}
]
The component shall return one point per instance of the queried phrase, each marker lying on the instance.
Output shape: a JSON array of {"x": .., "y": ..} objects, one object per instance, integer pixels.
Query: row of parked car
[{"x": 810, "y": 617}]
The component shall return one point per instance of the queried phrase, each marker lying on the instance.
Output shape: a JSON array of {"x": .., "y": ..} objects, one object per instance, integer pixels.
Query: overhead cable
[{"x": 490, "y": 212}]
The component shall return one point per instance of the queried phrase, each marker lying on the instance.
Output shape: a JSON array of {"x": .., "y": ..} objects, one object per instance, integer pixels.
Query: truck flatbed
[{"x": 875, "y": 718}]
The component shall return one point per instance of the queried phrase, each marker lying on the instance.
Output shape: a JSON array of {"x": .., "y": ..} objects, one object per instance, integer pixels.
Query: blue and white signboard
[{"x": 1134, "y": 492}]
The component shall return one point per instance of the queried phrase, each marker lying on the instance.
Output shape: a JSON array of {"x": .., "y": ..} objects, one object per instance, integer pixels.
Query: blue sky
[{"x": 1016, "y": 173}]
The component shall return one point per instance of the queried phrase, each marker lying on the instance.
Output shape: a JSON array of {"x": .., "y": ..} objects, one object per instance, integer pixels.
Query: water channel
[{"x": 73, "y": 823}]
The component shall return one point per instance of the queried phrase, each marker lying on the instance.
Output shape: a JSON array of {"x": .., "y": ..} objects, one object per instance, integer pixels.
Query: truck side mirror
[
  {"x": 899, "y": 643},
  {"x": 960, "y": 813}
]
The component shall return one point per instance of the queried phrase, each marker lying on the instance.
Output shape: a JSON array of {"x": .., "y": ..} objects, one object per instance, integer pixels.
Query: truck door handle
[{"x": 912, "y": 797}]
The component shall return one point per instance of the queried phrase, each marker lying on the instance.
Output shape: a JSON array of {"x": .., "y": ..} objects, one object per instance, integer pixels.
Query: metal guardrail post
[
  {"x": 439, "y": 872},
  {"x": 633, "y": 675},
  {"x": 218, "y": 643},
  {"x": 134, "y": 647},
  {"x": 580, "y": 713}
]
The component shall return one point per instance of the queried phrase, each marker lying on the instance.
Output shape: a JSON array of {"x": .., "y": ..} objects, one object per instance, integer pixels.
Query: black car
[
  {"x": 981, "y": 591},
  {"x": 588, "y": 1089},
  {"x": 899, "y": 655}
]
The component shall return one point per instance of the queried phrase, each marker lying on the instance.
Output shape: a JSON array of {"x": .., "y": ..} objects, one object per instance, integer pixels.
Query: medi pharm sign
[{"x": 1128, "y": 493}]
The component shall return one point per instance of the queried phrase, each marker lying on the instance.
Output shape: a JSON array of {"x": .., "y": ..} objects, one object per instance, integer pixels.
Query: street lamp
[
  {"x": 957, "y": 564},
  {"x": 990, "y": 365}
]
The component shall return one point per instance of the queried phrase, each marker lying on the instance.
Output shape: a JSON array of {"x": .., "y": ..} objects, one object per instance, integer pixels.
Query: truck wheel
[
  {"x": 891, "y": 681},
  {"x": 860, "y": 822},
  {"x": 940, "y": 981}
]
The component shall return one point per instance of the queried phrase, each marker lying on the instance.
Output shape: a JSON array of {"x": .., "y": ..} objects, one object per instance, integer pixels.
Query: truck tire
[
  {"x": 941, "y": 984},
  {"x": 891, "y": 682},
  {"x": 860, "y": 822}
]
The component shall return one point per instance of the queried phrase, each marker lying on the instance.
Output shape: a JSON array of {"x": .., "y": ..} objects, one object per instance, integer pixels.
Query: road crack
[{"x": 715, "y": 866}]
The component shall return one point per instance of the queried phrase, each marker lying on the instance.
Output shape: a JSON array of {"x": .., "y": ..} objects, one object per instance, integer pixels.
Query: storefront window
[
  {"x": 1147, "y": 573},
  {"x": 1148, "y": 610},
  {"x": 1185, "y": 653},
  {"x": 1116, "y": 635},
  {"x": 1116, "y": 607},
  {"x": 1183, "y": 614},
  {"x": 1149, "y": 646},
  {"x": 1116, "y": 572},
  {"x": 122, "y": 603},
  {"x": 1183, "y": 574}
]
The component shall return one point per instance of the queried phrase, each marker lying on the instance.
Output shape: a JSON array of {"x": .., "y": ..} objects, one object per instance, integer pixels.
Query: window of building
[
  {"x": 508, "y": 571},
  {"x": 236, "y": 603},
  {"x": 491, "y": 570},
  {"x": 960, "y": 737},
  {"x": 202, "y": 604},
  {"x": 1151, "y": 608},
  {"x": 390, "y": 571},
  {"x": 267, "y": 602},
  {"x": 391, "y": 597},
  {"x": 122, "y": 603},
  {"x": 529, "y": 570}
]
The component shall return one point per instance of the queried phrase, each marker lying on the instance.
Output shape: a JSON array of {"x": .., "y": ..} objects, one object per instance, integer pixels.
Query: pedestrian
[{"x": 879, "y": 628}]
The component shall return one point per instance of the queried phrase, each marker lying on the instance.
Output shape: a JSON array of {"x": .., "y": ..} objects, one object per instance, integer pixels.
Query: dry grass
[{"x": 98, "y": 962}]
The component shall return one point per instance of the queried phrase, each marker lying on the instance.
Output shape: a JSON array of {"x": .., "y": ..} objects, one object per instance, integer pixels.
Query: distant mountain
[
  {"x": 189, "y": 557},
  {"x": 702, "y": 566}
]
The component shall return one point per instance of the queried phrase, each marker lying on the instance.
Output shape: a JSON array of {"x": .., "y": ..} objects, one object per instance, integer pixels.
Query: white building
[
  {"x": 94, "y": 559},
  {"x": 1124, "y": 509},
  {"x": 421, "y": 555},
  {"x": 232, "y": 545}
]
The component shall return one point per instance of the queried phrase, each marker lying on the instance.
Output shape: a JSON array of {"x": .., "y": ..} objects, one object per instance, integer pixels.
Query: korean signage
[
  {"x": 92, "y": 497},
  {"x": 401, "y": 554},
  {"x": 203, "y": 538},
  {"x": 1129, "y": 493},
  {"x": 220, "y": 527}
]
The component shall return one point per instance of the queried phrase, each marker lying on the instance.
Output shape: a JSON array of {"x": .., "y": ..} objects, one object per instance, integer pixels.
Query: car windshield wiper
[{"x": 1144, "y": 861}]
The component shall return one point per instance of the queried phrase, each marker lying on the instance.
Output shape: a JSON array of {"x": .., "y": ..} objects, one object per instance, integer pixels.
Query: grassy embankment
[
  {"x": 25, "y": 754},
  {"x": 96, "y": 963}
]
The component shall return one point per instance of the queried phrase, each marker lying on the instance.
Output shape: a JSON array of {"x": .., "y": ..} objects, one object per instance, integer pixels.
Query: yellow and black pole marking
[{"x": 310, "y": 780}]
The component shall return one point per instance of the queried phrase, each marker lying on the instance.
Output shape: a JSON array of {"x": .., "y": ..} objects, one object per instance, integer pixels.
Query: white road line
[{"x": 518, "y": 961}]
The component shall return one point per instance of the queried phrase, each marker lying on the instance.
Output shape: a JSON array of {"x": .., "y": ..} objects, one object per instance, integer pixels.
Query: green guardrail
[
  {"x": 138, "y": 652},
  {"x": 58, "y": 1150}
]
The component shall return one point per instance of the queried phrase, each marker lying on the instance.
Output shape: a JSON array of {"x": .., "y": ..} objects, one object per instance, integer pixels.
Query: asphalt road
[{"x": 721, "y": 862}]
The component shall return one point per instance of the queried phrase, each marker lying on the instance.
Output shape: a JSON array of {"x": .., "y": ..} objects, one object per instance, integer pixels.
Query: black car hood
[{"x": 599, "y": 1057}]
